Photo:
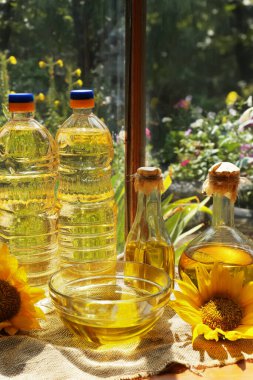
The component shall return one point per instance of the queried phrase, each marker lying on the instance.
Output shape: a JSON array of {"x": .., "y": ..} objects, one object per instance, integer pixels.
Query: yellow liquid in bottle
[
  {"x": 28, "y": 216},
  {"x": 153, "y": 252},
  {"x": 87, "y": 221},
  {"x": 234, "y": 259}
]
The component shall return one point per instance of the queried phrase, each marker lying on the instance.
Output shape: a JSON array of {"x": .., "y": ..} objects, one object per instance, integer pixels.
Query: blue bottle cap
[
  {"x": 21, "y": 98},
  {"x": 81, "y": 94}
]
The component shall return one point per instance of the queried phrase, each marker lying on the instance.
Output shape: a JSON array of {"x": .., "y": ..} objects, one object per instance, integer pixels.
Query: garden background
[{"x": 199, "y": 80}]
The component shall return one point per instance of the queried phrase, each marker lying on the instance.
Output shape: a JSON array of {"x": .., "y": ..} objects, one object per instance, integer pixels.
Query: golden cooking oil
[
  {"x": 148, "y": 241},
  {"x": 235, "y": 259},
  {"x": 87, "y": 219},
  {"x": 28, "y": 174},
  {"x": 157, "y": 253},
  {"x": 221, "y": 242},
  {"x": 120, "y": 322}
]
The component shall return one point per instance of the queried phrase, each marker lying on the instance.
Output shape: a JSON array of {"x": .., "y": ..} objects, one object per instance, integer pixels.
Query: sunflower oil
[
  {"x": 235, "y": 259},
  {"x": 221, "y": 242},
  {"x": 120, "y": 322},
  {"x": 157, "y": 253},
  {"x": 148, "y": 241},
  {"x": 87, "y": 220},
  {"x": 28, "y": 173}
]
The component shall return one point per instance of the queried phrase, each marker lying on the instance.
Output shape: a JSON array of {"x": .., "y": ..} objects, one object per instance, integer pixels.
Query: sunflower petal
[
  {"x": 248, "y": 315},
  {"x": 190, "y": 290},
  {"x": 184, "y": 297},
  {"x": 203, "y": 282},
  {"x": 21, "y": 322},
  {"x": 237, "y": 286},
  {"x": 186, "y": 312},
  {"x": 212, "y": 335},
  {"x": 21, "y": 274},
  {"x": 223, "y": 283},
  {"x": 245, "y": 332},
  {"x": 39, "y": 313},
  {"x": 246, "y": 295},
  {"x": 36, "y": 294},
  {"x": 202, "y": 329}
]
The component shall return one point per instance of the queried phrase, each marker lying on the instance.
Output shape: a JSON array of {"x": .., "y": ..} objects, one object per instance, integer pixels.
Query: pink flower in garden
[
  {"x": 188, "y": 132},
  {"x": 148, "y": 133},
  {"x": 184, "y": 103},
  {"x": 246, "y": 150},
  {"x": 185, "y": 162}
]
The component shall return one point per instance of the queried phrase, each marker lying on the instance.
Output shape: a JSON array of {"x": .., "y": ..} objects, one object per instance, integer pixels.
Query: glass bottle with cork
[
  {"x": 148, "y": 240},
  {"x": 221, "y": 242}
]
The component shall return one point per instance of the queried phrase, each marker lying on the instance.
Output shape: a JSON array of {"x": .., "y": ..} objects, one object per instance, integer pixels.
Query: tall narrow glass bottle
[
  {"x": 221, "y": 242},
  {"x": 28, "y": 173},
  {"x": 148, "y": 241},
  {"x": 87, "y": 220}
]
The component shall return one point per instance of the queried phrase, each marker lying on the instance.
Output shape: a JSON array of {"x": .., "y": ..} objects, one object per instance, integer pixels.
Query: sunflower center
[
  {"x": 10, "y": 301},
  {"x": 222, "y": 313}
]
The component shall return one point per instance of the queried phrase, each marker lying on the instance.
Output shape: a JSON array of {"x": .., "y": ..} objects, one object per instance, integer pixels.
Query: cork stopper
[
  {"x": 223, "y": 178},
  {"x": 148, "y": 179}
]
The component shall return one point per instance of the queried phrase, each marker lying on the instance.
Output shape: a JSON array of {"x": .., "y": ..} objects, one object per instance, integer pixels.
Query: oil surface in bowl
[{"x": 124, "y": 318}]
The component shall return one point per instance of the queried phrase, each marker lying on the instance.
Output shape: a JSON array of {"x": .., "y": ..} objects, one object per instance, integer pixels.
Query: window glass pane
[
  {"x": 199, "y": 82},
  {"x": 61, "y": 45}
]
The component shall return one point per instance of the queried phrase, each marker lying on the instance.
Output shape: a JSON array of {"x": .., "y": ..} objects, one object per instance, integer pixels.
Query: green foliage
[
  {"x": 199, "y": 49},
  {"x": 178, "y": 215},
  {"x": 213, "y": 137},
  {"x": 118, "y": 181},
  {"x": 51, "y": 30}
]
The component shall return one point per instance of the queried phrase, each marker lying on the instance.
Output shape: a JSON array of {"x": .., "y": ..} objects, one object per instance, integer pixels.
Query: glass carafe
[
  {"x": 221, "y": 242},
  {"x": 148, "y": 240}
]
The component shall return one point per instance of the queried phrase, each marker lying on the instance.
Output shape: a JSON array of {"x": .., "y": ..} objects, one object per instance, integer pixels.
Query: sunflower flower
[
  {"x": 17, "y": 309},
  {"x": 220, "y": 306}
]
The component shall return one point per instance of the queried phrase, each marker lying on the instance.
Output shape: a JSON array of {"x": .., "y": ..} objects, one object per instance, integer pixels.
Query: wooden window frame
[{"x": 135, "y": 100}]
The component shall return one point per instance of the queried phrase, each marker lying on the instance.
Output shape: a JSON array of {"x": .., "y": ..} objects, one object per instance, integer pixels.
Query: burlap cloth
[{"x": 53, "y": 353}]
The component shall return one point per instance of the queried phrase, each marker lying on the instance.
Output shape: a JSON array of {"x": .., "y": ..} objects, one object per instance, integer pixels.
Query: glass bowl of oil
[{"x": 110, "y": 302}]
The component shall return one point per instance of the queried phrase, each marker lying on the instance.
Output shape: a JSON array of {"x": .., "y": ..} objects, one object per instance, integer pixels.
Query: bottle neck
[
  {"x": 21, "y": 115},
  {"x": 223, "y": 211},
  {"x": 149, "y": 205},
  {"x": 82, "y": 111}
]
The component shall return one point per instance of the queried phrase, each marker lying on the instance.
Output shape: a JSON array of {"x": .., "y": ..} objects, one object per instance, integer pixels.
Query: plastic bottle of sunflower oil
[
  {"x": 87, "y": 220},
  {"x": 28, "y": 173}
]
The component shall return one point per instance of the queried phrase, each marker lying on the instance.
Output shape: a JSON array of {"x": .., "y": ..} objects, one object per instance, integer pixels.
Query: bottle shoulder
[
  {"x": 212, "y": 241},
  {"x": 84, "y": 122},
  {"x": 29, "y": 142},
  {"x": 27, "y": 126}
]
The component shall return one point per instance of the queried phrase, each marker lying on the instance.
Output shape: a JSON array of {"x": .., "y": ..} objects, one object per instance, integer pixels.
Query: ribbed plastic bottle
[
  {"x": 87, "y": 220},
  {"x": 28, "y": 173}
]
